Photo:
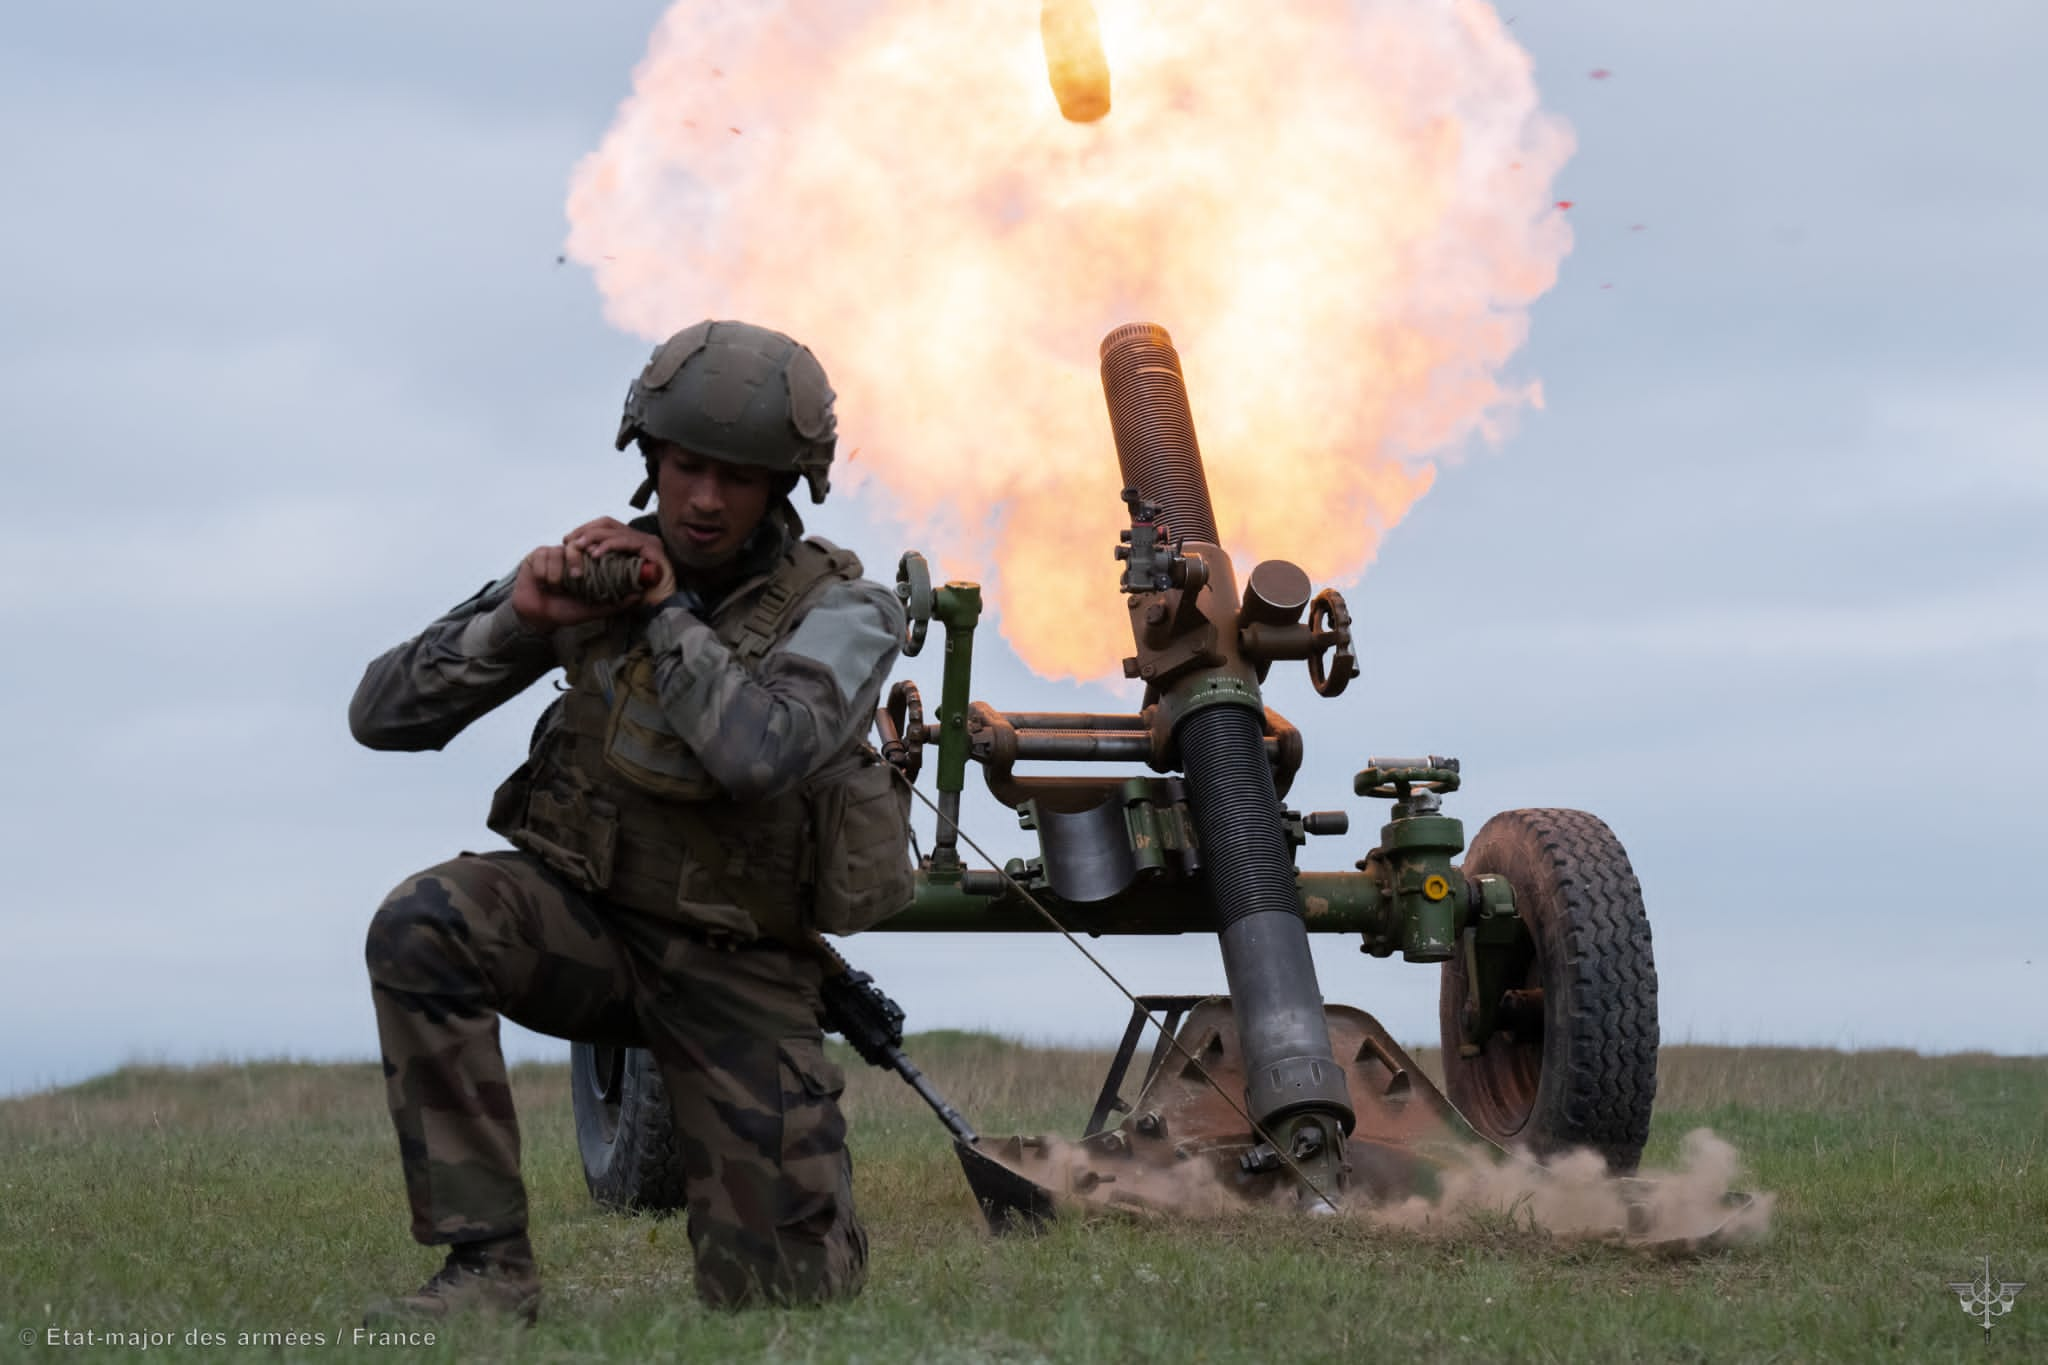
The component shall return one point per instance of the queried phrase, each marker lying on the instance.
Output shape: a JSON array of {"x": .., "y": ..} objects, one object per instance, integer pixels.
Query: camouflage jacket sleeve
[
  {"x": 423, "y": 693},
  {"x": 759, "y": 734}
]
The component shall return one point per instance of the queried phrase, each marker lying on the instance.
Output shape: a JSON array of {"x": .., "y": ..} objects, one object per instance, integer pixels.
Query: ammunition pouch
[
  {"x": 678, "y": 861},
  {"x": 860, "y": 821},
  {"x": 638, "y": 744},
  {"x": 564, "y": 824},
  {"x": 693, "y": 878}
]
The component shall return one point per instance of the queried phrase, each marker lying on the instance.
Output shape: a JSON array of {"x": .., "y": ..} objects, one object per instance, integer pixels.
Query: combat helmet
[{"x": 735, "y": 392}]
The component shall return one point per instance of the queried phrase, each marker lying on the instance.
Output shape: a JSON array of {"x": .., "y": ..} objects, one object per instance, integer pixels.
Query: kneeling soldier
[{"x": 699, "y": 799}]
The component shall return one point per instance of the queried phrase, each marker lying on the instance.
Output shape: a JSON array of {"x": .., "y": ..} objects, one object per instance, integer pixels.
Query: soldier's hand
[
  {"x": 540, "y": 598},
  {"x": 605, "y": 535}
]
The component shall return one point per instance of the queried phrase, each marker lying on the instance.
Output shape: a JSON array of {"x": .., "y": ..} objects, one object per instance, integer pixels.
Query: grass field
[{"x": 266, "y": 1199}]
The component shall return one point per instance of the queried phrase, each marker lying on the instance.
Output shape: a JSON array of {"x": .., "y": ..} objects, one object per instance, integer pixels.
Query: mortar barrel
[
  {"x": 1154, "y": 430},
  {"x": 1278, "y": 1006},
  {"x": 1273, "y": 990}
]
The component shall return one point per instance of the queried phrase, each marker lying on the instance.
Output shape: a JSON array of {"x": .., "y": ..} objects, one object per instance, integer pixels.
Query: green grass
[{"x": 266, "y": 1199}]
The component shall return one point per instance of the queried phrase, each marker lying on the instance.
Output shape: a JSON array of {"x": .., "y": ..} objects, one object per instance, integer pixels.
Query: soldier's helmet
[{"x": 740, "y": 393}]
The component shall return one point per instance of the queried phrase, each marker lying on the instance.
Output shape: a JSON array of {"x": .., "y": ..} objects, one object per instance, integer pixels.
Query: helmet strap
[{"x": 646, "y": 490}]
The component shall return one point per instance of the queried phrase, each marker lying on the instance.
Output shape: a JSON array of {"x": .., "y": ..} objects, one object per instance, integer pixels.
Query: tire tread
[
  {"x": 641, "y": 1170},
  {"x": 1600, "y": 1080}
]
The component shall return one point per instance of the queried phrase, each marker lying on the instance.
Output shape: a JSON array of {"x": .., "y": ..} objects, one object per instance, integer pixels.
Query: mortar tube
[
  {"x": 1274, "y": 995},
  {"x": 1291, "y": 1074},
  {"x": 1154, "y": 429}
]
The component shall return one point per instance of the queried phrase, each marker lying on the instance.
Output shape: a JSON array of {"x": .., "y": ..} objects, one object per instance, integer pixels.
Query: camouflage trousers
[{"x": 768, "y": 1179}]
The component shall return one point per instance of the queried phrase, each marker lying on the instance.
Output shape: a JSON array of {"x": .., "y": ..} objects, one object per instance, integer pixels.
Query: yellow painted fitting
[{"x": 1436, "y": 888}]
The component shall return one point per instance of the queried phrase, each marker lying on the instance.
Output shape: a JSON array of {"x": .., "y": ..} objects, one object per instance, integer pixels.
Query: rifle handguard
[{"x": 856, "y": 1009}]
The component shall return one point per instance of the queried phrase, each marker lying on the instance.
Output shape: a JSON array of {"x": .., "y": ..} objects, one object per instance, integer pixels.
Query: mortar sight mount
[{"x": 1548, "y": 990}]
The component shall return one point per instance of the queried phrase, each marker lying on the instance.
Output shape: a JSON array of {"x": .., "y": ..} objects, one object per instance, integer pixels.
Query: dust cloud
[
  {"x": 1573, "y": 1196},
  {"x": 1691, "y": 1207},
  {"x": 1188, "y": 1189}
]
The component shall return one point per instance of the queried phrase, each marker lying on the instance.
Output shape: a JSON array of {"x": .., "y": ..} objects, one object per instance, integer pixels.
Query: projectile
[{"x": 1074, "y": 59}]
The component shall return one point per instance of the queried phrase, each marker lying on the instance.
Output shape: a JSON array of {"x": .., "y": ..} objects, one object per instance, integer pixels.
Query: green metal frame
[{"x": 1405, "y": 896}]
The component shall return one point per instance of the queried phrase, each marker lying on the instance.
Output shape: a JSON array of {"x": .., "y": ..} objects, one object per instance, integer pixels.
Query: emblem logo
[{"x": 1985, "y": 1298}]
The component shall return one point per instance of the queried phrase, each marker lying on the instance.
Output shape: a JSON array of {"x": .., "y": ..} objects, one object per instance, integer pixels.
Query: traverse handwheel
[
  {"x": 903, "y": 729},
  {"x": 1332, "y": 663},
  {"x": 914, "y": 590}
]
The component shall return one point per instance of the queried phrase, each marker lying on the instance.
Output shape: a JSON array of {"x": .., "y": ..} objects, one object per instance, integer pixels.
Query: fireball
[{"x": 1341, "y": 211}]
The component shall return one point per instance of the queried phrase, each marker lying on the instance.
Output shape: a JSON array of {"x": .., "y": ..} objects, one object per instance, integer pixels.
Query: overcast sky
[{"x": 287, "y": 367}]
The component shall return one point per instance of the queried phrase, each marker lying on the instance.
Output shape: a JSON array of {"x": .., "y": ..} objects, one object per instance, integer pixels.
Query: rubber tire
[
  {"x": 1591, "y": 1079},
  {"x": 632, "y": 1160}
]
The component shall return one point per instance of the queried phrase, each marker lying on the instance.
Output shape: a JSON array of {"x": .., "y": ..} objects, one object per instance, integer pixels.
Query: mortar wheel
[
  {"x": 1588, "y": 1075},
  {"x": 625, "y": 1129}
]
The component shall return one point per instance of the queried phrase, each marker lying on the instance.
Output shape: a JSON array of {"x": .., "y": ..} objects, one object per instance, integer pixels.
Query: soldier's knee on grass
[
  {"x": 737, "y": 1271},
  {"x": 772, "y": 1215},
  {"x": 817, "y": 1254}
]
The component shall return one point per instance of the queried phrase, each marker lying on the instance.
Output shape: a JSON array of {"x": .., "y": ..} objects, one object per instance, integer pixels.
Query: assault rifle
[{"x": 872, "y": 1025}]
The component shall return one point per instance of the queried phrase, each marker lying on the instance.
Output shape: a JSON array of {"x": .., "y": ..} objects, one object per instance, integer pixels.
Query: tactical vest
[{"x": 613, "y": 800}]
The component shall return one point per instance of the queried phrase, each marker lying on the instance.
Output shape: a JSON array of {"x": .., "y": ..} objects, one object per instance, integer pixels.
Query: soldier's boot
[{"x": 497, "y": 1277}]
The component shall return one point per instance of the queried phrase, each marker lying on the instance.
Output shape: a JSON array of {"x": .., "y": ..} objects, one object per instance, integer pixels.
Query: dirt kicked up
[{"x": 1688, "y": 1209}]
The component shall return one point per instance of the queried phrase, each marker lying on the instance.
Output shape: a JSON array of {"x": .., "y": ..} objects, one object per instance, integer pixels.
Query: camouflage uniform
[{"x": 534, "y": 937}]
